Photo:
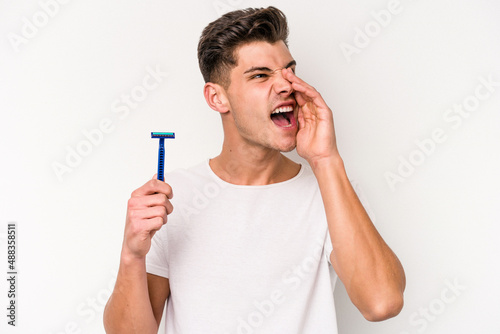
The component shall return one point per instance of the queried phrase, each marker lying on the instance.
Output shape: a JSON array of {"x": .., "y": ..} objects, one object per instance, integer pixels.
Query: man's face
[{"x": 262, "y": 109}]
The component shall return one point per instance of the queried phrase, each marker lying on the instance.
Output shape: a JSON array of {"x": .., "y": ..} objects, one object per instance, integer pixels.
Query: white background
[{"x": 69, "y": 73}]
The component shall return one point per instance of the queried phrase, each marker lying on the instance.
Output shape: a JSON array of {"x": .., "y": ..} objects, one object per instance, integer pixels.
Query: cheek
[{"x": 252, "y": 101}]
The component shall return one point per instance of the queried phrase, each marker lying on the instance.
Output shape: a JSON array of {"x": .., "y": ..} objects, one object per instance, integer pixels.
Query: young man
[{"x": 256, "y": 240}]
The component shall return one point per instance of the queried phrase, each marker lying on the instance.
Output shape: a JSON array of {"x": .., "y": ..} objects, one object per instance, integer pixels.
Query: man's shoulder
[{"x": 306, "y": 176}]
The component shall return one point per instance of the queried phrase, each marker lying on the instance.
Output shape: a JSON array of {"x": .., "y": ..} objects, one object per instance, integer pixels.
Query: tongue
[{"x": 281, "y": 119}]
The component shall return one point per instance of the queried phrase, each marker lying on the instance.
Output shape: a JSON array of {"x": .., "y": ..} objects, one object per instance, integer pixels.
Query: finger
[
  {"x": 153, "y": 200},
  {"x": 300, "y": 85},
  {"x": 153, "y": 224},
  {"x": 299, "y": 97},
  {"x": 308, "y": 93},
  {"x": 154, "y": 186},
  {"x": 144, "y": 202},
  {"x": 149, "y": 213},
  {"x": 169, "y": 207},
  {"x": 292, "y": 77}
]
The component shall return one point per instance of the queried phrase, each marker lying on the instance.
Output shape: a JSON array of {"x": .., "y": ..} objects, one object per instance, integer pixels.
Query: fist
[{"x": 147, "y": 212}]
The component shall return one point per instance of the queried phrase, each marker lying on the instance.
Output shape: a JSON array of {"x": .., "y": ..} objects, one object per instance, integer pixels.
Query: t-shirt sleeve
[
  {"x": 328, "y": 247},
  {"x": 157, "y": 259}
]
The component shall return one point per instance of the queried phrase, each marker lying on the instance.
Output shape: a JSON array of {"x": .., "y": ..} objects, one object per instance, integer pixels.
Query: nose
[{"x": 282, "y": 85}]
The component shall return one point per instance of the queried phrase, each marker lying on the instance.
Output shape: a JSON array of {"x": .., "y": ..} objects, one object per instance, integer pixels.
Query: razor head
[{"x": 162, "y": 135}]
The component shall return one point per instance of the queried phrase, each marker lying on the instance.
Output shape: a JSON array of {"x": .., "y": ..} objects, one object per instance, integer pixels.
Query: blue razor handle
[
  {"x": 161, "y": 151},
  {"x": 161, "y": 160}
]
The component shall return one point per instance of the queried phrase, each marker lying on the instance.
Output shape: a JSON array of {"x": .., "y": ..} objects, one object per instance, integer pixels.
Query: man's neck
[{"x": 253, "y": 166}]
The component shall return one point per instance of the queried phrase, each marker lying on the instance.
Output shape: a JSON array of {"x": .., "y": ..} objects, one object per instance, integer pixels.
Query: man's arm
[
  {"x": 372, "y": 274},
  {"x": 138, "y": 299},
  {"x": 370, "y": 271}
]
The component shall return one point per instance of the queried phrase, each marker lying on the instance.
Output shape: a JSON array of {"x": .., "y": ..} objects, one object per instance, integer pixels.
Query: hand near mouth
[{"x": 316, "y": 136}]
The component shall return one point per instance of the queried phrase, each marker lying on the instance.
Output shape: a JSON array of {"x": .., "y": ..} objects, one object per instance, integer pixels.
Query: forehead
[{"x": 262, "y": 54}]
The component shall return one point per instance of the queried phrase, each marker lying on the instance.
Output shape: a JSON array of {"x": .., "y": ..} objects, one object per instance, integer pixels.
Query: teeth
[{"x": 282, "y": 109}]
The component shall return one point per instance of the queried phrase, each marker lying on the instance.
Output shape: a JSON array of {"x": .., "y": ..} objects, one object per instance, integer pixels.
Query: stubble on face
[{"x": 256, "y": 88}]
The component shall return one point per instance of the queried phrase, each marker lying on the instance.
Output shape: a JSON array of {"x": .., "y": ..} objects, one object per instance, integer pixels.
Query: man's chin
[{"x": 288, "y": 148}]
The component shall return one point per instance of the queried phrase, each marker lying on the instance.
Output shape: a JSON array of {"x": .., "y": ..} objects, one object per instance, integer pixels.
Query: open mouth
[{"x": 283, "y": 117}]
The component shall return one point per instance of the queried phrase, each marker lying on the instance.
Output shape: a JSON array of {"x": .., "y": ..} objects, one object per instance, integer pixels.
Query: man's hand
[
  {"x": 130, "y": 308},
  {"x": 316, "y": 135},
  {"x": 147, "y": 212},
  {"x": 370, "y": 271}
]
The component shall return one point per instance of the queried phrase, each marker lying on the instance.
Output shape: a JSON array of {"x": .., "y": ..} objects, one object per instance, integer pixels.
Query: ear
[{"x": 216, "y": 98}]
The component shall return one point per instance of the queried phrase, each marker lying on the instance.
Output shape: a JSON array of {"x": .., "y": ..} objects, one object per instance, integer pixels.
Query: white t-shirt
[{"x": 245, "y": 259}]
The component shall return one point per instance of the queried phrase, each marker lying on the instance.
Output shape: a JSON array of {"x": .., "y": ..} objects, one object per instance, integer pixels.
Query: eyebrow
[{"x": 267, "y": 69}]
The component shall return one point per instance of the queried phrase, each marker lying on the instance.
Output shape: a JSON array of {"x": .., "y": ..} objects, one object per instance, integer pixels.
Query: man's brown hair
[{"x": 221, "y": 38}]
